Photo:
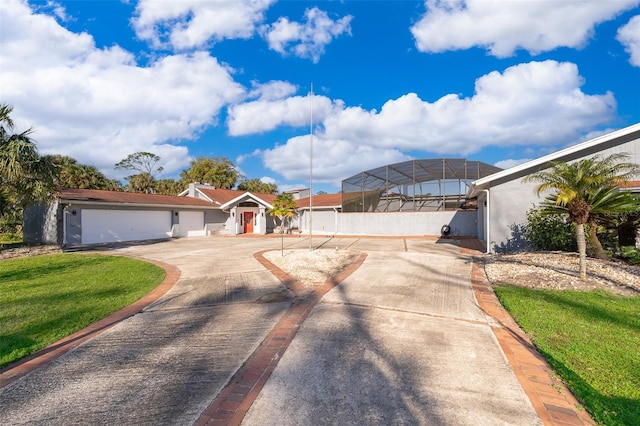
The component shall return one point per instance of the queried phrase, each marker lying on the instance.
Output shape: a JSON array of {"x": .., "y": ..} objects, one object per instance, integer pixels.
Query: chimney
[{"x": 192, "y": 189}]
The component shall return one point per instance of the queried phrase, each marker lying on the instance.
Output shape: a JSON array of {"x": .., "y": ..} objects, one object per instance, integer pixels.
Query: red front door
[{"x": 248, "y": 222}]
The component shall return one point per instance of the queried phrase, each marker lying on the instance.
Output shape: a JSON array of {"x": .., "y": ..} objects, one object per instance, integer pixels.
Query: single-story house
[
  {"x": 417, "y": 198},
  {"x": 244, "y": 212},
  {"x": 88, "y": 216}
]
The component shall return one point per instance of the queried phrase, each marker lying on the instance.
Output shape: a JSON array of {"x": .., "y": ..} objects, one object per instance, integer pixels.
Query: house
[
  {"x": 430, "y": 197},
  {"x": 245, "y": 212},
  {"x": 88, "y": 216},
  {"x": 504, "y": 199}
]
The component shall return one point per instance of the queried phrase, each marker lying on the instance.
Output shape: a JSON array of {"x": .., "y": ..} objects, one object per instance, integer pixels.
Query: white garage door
[
  {"x": 107, "y": 226},
  {"x": 191, "y": 224}
]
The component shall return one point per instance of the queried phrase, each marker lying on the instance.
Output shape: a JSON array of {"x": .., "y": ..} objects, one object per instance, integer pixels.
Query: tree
[
  {"x": 142, "y": 162},
  {"x": 168, "y": 187},
  {"x": 71, "y": 174},
  {"x": 258, "y": 186},
  {"x": 586, "y": 188},
  {"x": 142, "y": 182},
  {"x": 284, "y": 207},
  {"x": 216, "y": 171},
  {"x": 145, "y": 164},
  {"x": 25, "y": 178}
]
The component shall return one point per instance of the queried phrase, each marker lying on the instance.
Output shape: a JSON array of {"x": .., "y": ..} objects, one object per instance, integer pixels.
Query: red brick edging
[
  {"x": 26, "y": 365},
  {"x": 234, "y": 401},
  {"x": 551, "y": 399}
]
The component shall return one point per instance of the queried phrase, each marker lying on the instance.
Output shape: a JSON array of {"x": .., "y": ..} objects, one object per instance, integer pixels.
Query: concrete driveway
[{"x": 400, "y": 341}]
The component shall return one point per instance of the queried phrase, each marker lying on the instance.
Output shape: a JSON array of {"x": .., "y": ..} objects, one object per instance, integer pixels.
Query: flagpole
[{"x": 311, "y": 169}]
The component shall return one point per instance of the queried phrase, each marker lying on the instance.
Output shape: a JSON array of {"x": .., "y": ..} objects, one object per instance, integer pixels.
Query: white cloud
[
  {"x": 537, "y": 103},
  {"x": 533, "y": 103},
  {"x": 272, "y": 90},
  {"x": 97, "y": 105},
  {"x": 507, "y": 164},
  {"x": 332, "y": 159},
  {"x": 502, "y": 27},
  {"x": 56, "y": 9},
  {"x": 263, "y": 115},
  {"x": 243, "y": 157},
  {"x": 187, "y": 24},
  {"x": 308, "y": 39},
  {"x": 629, "y": 36},
  {"x": 267, "y": 179}
]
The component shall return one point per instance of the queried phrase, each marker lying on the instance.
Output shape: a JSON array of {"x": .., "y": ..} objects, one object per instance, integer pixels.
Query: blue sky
[{"x": 495, "y": 81}]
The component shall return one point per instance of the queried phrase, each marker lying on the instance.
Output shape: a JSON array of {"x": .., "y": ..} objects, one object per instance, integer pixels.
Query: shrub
[
  {"x": 550, "y": 232},
  {"x": 630, "y": 254}
]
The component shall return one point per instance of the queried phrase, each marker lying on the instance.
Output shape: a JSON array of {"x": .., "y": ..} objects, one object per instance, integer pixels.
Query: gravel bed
[
  {"x": 311, "y": 267},
  {"x": 28, "y": 251},
  {"x": 560, "y": 271}
]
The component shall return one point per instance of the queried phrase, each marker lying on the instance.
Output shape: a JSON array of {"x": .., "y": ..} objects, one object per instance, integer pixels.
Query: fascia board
[
  {"x": 241, "y": 196},
  {"x": 171, "y": 206}
]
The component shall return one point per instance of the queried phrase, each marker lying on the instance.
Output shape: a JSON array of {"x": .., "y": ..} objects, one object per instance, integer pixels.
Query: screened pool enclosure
[{"x": 415, "y": 185}]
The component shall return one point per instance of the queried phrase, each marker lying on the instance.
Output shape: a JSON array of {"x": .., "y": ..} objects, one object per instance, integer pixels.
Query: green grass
[
  {"x": 591, "y": 340},
  {"x": 45, "y": 298}
]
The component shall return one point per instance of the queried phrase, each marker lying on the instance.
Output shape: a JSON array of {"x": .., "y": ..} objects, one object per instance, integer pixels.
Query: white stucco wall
[
  {"x": 462, "y": 223},
  {"x": 511, "y": 198}
]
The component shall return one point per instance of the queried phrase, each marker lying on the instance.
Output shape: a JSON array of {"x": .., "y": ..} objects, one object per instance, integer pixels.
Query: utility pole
[{"x": 311, "y": 169}]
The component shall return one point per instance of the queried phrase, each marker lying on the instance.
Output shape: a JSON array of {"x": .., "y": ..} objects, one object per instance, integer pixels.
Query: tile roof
[
  {"x": 631, "y": 184},
  {"x": 116, "y": 197},
  {"x": 223, "y": 196},
  {"x": 323, "y": 200}
]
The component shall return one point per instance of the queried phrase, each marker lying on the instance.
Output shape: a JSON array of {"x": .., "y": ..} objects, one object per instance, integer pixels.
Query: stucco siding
[
  {"x": 462, "y": 223},
  {"x": 510, "y": 198},
  {"x": 321, "y": 220},
  {"x": 508, "y": 206},
  {"x": 40, "y": 224},
  {"x": 217, "y": 221}
]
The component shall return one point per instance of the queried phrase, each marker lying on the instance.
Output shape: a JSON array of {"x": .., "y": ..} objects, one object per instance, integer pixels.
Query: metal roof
[
  {"x": 418, "y": 171},
  {"x": 415, "y": 185}
]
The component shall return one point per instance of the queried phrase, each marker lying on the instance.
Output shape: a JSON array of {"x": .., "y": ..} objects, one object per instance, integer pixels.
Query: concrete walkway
[{"x": 402, "y": 340}]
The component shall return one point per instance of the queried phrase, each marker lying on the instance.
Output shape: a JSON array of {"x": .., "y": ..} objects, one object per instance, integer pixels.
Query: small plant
[
  {"x": 630, "y": 254},
  {"x": 551, "y": 232}
]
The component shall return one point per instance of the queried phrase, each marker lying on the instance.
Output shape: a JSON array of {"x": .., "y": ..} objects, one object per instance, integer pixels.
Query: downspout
[
  {"x": 488, "y": 216},
  {"x": 64, "y": 226}
]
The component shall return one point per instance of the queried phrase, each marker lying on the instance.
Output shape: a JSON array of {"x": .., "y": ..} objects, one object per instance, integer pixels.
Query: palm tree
[
  {"x": 584, "y": 189},
  {"x": 142, "y": 182},
  {"x": 258, "y": 186},
  {"x": 71, "y": 174},
  {"x": 25, "y": 178},
  {"x": 283, "y": 207}
]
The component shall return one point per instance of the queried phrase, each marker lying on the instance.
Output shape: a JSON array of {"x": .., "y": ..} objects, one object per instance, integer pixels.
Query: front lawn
[
  {"x": 591, "y": 340},
  {"x": 48, "y": 297}
]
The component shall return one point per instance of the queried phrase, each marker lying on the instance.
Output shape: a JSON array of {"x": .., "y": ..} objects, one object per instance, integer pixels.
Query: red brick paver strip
[
  {"x": 233, "y": 403},
  {"x": 23, "y": 367},
  {"x": 552, "y": 400}
]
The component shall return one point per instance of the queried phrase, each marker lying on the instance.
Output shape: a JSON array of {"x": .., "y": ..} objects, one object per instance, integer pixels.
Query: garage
[
  {"x": 191, "y": 224},
  {"x": 106, "y": 226}
]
